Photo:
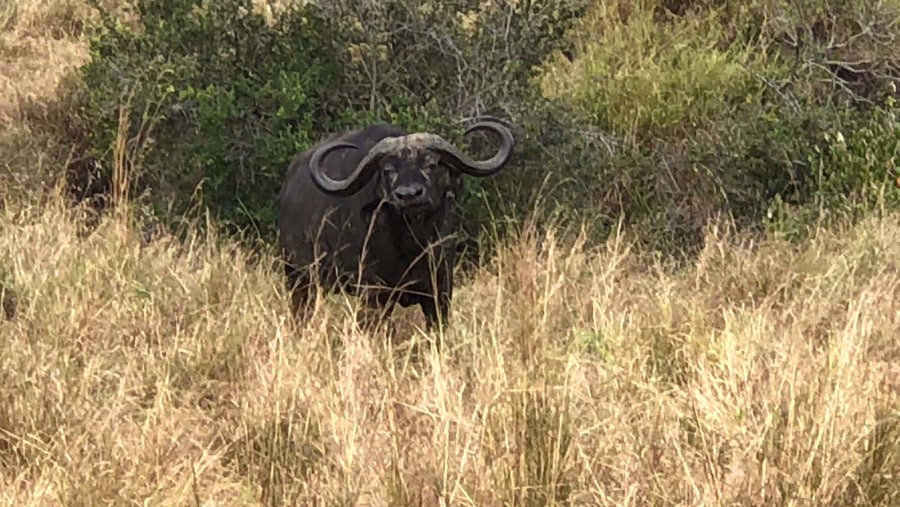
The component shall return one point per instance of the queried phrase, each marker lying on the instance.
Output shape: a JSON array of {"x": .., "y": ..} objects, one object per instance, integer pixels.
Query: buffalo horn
[{"x": 480, "y": 168}]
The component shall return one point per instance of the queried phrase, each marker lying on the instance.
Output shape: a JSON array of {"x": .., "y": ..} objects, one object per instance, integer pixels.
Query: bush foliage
[
  {"x": 657, "y": 112},
  {"x": 221, "y": 100},
  {"x": 217, "y": 99}
]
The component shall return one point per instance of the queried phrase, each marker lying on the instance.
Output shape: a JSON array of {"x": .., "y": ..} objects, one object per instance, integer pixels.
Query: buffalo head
[{"x": 413, "y": 170}]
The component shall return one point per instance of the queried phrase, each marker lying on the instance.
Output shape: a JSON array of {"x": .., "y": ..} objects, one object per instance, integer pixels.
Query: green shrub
[
  {"x": 841, "y": 51},
  {"x": 850, "y": 172},
  {"x": 719, "y": 107},
  {"x": 644, "y": 79},
  {"x": 220, "y": 101},
  {"x": 660, "y": 112}
]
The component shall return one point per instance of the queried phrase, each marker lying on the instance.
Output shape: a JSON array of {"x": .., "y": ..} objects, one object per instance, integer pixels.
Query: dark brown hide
[{"x": 387, "y": 234}]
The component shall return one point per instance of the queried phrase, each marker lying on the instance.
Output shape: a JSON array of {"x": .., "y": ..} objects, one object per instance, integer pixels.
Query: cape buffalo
[{"x": 382, "y": 230}]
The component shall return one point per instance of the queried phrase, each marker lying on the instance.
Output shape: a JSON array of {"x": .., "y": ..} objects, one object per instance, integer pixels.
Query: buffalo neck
[{"x": 413, "y": 234}]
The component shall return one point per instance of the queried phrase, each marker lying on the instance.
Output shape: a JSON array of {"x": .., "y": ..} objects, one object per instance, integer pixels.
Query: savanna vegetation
[{"x": 683, "y": 290}]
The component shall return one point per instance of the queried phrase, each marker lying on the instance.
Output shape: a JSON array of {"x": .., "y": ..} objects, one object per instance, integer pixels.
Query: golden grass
[
  {"x": 40, "y": 43},
  {"x": 171, "y": 374}
]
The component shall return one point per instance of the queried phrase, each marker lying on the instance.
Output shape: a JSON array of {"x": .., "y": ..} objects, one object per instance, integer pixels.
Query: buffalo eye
[
  {"x": 390, "y": 172},
  {"x": 428, "y": 167}
]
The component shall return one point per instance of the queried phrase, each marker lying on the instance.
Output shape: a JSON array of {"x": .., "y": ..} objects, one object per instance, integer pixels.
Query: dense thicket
[{"x": 661, "y": 112}]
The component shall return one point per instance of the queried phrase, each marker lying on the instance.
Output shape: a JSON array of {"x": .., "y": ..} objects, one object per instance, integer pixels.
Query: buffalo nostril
[{"x": 407, "y": 192}]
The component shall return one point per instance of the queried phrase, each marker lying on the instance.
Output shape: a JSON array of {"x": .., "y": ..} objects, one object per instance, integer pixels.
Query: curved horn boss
[
  {"x": 361, "y": 175},
  {"x": 480, "y": 168}
]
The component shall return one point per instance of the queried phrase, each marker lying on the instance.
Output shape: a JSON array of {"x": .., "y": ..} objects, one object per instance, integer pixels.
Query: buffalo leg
[
  {"x": 437, "y": 313},
  {"x": 378, "y": 308},
  {"x": 300, "y": 290},
  {"x": 437, "y": 307}
]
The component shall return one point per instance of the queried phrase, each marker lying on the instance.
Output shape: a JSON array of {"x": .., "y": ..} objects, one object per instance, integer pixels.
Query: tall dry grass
[
  {"x": 40, "y": 43},
  {"x": 171, "y": 373}
]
